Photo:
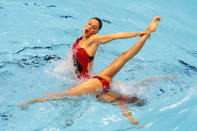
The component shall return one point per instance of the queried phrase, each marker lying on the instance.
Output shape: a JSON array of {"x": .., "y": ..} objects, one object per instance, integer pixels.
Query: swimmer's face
[{"x": 92, "y": 27}]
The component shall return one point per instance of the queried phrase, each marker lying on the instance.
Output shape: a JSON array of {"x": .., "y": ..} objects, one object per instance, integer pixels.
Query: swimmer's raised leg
[{"x": 114, "y": 67}]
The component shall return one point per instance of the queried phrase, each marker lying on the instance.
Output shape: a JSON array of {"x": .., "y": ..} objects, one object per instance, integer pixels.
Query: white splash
[
  {"x": 64, "y": 70},
  {"x": 107, "y": 120},
  {"x": 148, "y": 125},
  {"x": 65, "y": 65},
  {"x": 128, "y": 88},
  {"x": 176, "y": 104},
  {"x": 182, "y": 111}
]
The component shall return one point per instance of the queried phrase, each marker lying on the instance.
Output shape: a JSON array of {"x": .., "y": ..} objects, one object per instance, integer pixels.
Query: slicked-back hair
[{"x": 100, "y": 22}]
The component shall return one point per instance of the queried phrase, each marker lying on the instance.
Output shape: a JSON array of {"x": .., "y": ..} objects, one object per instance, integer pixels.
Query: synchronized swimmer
[{"x": 104, "y": 78}]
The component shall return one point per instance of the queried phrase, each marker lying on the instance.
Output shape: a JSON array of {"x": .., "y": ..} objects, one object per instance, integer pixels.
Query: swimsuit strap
[
  {"x": 77, "y": 42},
  {"x": 106, "y": 84},
  {"x": 80, "y": 58}
]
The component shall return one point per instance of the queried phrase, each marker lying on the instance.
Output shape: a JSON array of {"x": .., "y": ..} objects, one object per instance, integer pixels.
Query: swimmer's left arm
[
  {"x": 126, "y": 112},
  {"x": 102, "y": 39}
]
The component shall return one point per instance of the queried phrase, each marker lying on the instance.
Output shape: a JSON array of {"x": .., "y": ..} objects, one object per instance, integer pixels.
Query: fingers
[
  {"x": 23, "y": 106},
  {"x": 147, "y": 34},
  {"x": 141, "y": 34}
]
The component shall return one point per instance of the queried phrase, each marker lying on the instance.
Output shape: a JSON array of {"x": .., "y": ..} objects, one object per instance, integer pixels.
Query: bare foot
[{"x": 154, "y": 23}]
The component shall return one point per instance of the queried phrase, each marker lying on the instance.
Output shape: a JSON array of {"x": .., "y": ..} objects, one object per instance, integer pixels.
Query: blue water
[{"x": 36, "y": 36}]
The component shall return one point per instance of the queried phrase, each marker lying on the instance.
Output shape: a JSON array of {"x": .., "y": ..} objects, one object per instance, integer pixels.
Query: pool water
[{"x": 35, "y": 41}]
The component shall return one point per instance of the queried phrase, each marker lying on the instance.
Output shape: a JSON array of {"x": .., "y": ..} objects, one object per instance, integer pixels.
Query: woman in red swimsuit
[
  {"x": 85, "y": 47},
  {"x": 102, "y": 80}
]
